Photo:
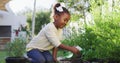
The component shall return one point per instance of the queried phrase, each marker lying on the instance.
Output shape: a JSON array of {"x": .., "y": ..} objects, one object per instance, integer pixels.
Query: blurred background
[{"x": 94, "y": 25}]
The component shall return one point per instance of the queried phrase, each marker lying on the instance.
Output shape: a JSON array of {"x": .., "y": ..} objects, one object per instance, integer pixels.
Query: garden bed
[{"x": 79, "y": 60}]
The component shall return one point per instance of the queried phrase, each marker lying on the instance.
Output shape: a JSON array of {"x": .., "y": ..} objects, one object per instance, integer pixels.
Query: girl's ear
[{"x": 55, "y": 17}]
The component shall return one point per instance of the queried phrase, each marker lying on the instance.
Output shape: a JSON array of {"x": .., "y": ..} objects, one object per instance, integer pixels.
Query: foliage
[
  {"x": 75, "y": 17},
  {"x": 100, "y": 41},
  {"x": 41, "y": 18},
  {"x": 16, "y": 48}
]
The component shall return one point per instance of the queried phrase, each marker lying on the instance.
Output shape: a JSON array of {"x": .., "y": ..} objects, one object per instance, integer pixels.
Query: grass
[{"x": 2, "y": 56}]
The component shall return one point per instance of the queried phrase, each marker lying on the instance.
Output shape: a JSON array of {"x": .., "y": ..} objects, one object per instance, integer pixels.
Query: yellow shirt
[{"x": 46, "y": 39}]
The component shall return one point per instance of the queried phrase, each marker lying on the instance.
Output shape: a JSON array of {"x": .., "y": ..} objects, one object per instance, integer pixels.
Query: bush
[
  {"x": 100, "y": 41},
  {"x": 16, "y": 48}
]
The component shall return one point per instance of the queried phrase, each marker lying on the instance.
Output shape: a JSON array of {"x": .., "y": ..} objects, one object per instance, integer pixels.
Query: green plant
[
  {"x": 16, "y": 48},
  {"x": 41, "y": 18},
  {"x": 100, "y": 41}
]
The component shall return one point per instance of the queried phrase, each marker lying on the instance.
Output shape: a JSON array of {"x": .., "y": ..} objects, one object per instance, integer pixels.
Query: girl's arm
[
  {"x": 69, "y": 48},
  {"x": 54, "y": 52}
]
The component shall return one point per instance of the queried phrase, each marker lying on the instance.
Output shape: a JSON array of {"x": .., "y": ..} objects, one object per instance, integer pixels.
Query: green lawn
[{"x": 2, "y": 56}]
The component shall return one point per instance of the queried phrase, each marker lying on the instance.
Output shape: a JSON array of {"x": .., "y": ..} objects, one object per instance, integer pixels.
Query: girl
[{"x": 49, "y": 38}]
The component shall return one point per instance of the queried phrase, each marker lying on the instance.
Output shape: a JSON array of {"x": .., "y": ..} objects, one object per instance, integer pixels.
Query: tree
[{"x": 41, "y": 18}]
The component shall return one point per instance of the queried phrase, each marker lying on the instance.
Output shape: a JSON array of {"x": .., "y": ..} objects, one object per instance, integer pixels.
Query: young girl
[{"x": 49, "y": 38}]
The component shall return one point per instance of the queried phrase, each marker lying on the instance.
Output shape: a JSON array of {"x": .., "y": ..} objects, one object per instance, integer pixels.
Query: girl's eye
[{"x": 66, "y": 20}]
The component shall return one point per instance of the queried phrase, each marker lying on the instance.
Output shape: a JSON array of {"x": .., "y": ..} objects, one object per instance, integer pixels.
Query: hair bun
[{"x": 59, "y": 7}]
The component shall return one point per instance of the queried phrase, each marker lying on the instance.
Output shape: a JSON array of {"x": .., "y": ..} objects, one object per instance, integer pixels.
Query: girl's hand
[
  {"x": 74, "y": 50},
  {"x": 69, "y": 48}
]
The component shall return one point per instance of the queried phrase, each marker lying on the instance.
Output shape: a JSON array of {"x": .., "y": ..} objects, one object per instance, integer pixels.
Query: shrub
[
  {"x": 16, "y": 48},
  {"x": 100, "y": 41}
]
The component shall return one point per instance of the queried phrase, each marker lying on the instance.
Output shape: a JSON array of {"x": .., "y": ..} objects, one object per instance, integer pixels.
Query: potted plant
[{"x": 15, "y": 51}]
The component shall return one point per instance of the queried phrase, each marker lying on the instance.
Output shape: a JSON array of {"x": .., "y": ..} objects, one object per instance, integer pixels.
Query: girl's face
[{"x": 61, "y": 20}]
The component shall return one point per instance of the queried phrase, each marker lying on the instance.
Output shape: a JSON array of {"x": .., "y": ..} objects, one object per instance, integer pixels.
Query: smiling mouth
[{"x": 63, "y": 26}]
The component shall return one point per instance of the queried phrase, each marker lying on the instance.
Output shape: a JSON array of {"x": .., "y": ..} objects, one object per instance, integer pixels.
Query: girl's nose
[{"x": 65, "y": 23}]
